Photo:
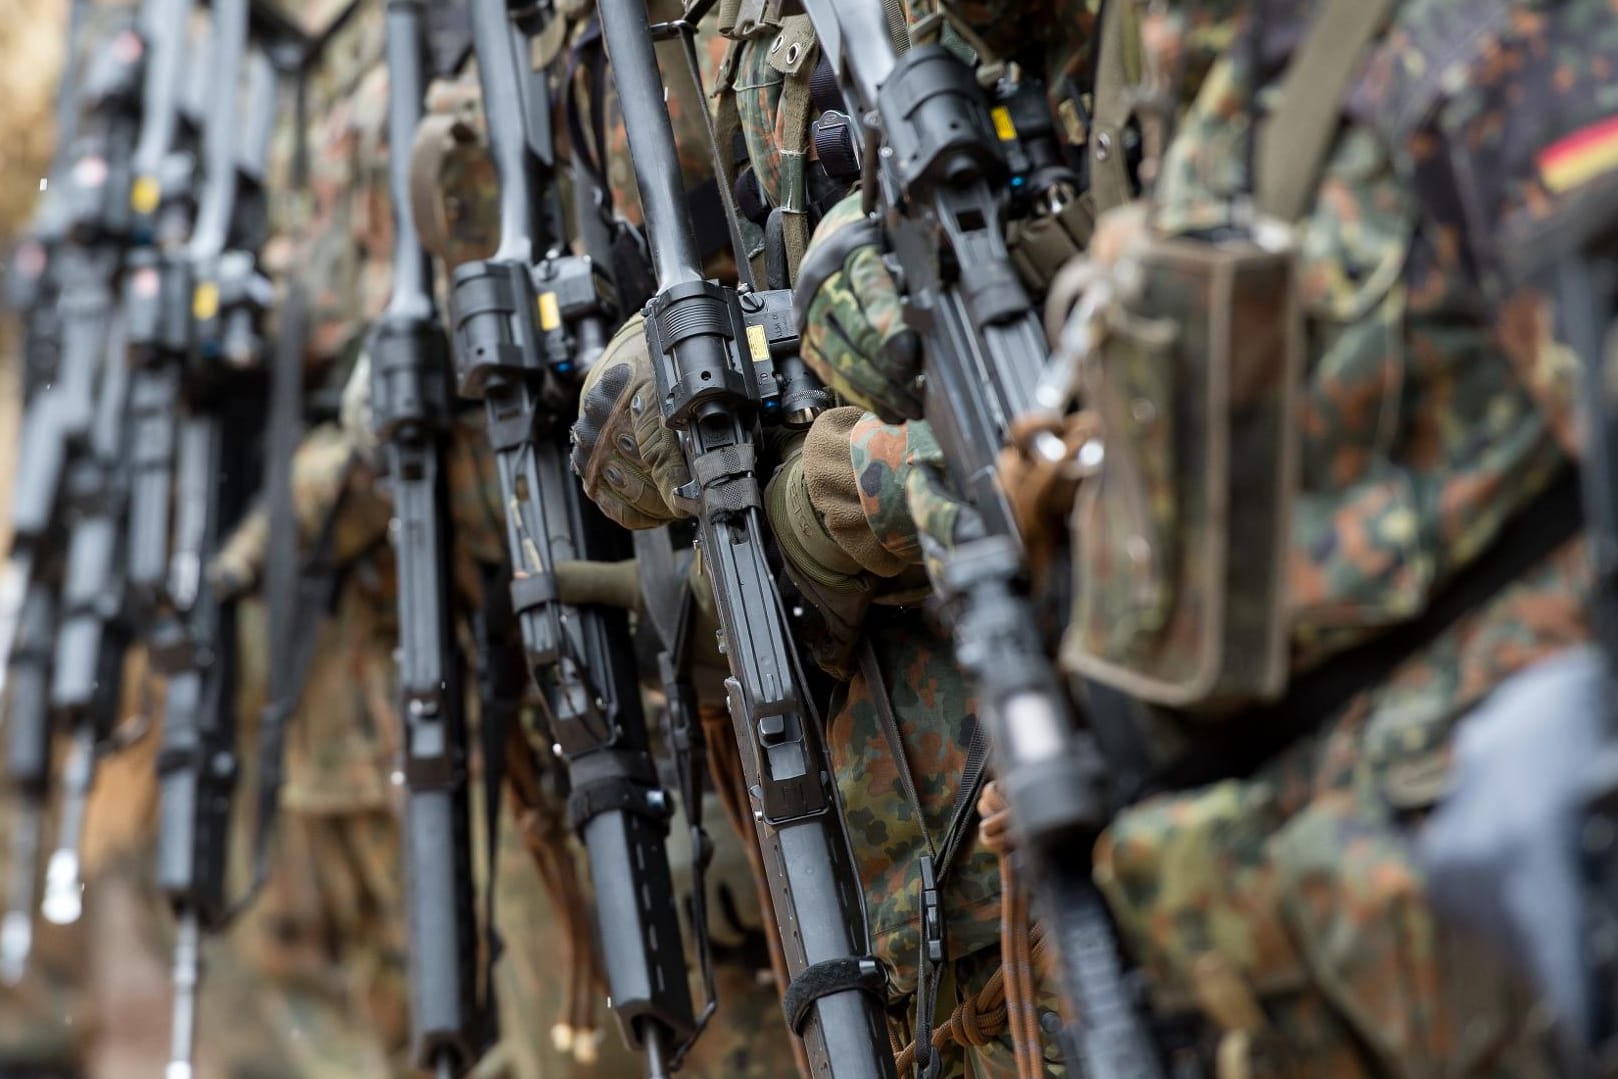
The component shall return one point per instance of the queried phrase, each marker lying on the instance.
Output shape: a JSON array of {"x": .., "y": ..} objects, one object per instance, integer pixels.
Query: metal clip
[{"x": 932, "y": 916}]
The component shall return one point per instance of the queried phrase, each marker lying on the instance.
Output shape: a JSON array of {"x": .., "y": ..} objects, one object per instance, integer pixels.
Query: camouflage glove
[
  {"x": 630, "y": 463},
  {"x": 831, "y": 506},
  {"x": 941, "y": 520},
  {"x": 854, "y": 334}
]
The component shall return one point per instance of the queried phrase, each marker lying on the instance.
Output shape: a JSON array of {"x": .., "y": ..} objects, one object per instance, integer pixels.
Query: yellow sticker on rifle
[
  {"x": 758, "y": 343},
  {"x": 205, "y": 301},
  {"x": 144, "y": 195},
  {"x": 1003, "y": 127},
  {"x": 550, "y": 313}
]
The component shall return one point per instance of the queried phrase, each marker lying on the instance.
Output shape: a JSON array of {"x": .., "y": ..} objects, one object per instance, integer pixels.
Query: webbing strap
[
  {"x": 826, "y": 978},
  {"x": 935, "y": 864},
  {"x": 1109, "y": 172},
  {"x": 1294, "y": 141},
  {"x": 797, "y": 105}
]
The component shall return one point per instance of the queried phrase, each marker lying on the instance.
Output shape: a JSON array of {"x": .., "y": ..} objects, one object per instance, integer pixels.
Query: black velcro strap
[
  {"x": 1257, "y": 736},
  {"x": 614, "y": 794},
  {"x": 532, "y": 590},
  {"x": 827, "y": 978}
]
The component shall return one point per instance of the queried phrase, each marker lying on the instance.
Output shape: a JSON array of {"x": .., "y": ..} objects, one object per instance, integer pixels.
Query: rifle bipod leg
[
  {"x": 64, "y": 891},
  {"x": 187, "y": 977}
]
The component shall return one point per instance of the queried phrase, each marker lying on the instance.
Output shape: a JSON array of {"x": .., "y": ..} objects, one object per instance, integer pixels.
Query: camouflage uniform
[
  {"x": 859, "y": 567},
  {"x": 327, "y": 934},
  {"x": 1287, "y": 909},
  {"x": 1432, "y": 416}
]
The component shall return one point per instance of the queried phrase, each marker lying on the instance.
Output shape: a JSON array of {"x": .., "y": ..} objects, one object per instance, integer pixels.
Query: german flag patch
[{"x": 1587, "y": 153}]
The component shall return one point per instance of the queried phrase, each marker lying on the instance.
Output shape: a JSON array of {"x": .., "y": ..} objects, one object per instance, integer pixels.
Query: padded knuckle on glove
[{"x": 629, "y": 462}]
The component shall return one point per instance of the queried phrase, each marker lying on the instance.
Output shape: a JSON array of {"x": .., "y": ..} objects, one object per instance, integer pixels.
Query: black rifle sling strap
[
  {"x": 299, "y": 591},
  {"x": 500, "y": 689}
]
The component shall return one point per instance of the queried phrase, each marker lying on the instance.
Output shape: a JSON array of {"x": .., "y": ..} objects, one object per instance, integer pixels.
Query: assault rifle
[
  {"x": 933, "y": 161},
  {"x": 529, "y": 322},
  {"x": 193, "y": 636},
  {"x": 56, "y": 432},
  {"x": 31, "y": 294},
  {"x": 30, "y": 285},
  {"x": 724, "y": 358},
  {"x": 96, "y": 625},
  {"x": 411, "y": 413}
]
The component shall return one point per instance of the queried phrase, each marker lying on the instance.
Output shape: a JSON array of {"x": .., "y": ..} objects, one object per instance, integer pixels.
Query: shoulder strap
[
  {"x": 1109, "y": 172},
  {"x": 1294, "y": 141}
]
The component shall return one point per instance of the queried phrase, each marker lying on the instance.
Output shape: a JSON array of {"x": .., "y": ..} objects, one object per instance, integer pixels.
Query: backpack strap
[
  {"x": 1110, "y": 183},
  {"x": 1296, "y": 137}
]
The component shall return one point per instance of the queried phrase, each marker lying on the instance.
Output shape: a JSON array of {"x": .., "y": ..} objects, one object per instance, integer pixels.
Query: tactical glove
[
  {"x": 941, "y": 520},
  {"x": 854, "y": 334},
  {"x": 355, "y": 413},
  {"x": 630, "y": 463},
  {"x": 837, "y": 508}
]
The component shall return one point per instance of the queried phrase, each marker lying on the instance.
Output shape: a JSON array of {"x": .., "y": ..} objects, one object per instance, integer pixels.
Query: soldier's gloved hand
[
  {"x": 836, "y": 506},
  {"x": 355, "y": 414},
  {"x": 630, "y": 463},
  {"x": 941, "y": 520},
  {"x": 235, "y": 570},
  {"x": 853, "y": 331}
]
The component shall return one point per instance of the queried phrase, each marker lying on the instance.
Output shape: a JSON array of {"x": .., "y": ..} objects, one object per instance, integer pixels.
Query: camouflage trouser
[{"x": 327, "y": 935}]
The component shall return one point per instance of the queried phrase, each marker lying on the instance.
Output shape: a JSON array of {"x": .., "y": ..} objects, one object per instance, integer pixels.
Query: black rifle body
[
  {"x": 937, "y": 168},
  {"x": 527, "y": 327},
  {"x": 216, "y": 368},
  {"x": 65, "y": 492},
  {"x": 711, "y": 392},
  {"x": 410, "y": 380}
]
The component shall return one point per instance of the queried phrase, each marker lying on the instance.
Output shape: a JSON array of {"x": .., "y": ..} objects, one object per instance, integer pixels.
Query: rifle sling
[
  {"x": 1254, "y": 738},
  {"x": 1294, "y": 140},
  {"x": 312, "y": 601}
]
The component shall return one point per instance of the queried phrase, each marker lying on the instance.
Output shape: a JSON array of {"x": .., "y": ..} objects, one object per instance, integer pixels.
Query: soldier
[
  {"x": 327, "y": 934},
  {"x": 903, "y": 737},
  {"x": 455, "y": 208},
  {"x": 1281, "y": 911}
]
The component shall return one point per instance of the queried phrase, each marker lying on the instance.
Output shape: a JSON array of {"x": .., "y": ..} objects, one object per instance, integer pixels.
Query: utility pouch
[
  {"x": 1041, "y": 244},
  {"x": 1181, "y": 541}
]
